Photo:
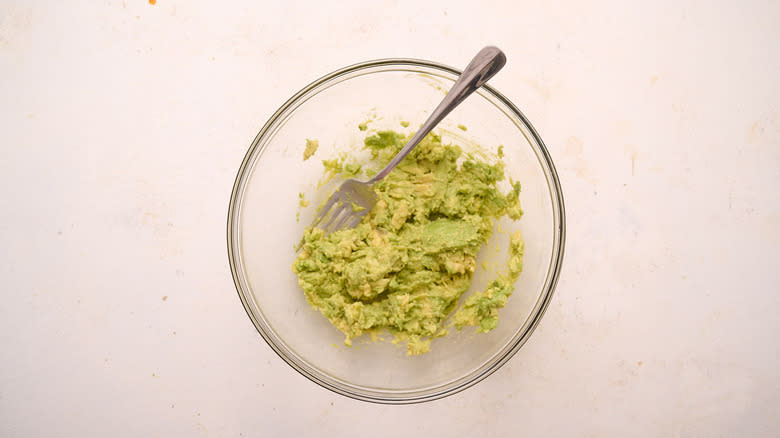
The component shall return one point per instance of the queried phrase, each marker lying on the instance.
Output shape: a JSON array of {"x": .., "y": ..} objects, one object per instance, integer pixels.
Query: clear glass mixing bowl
[{"x": 263, "y": 230}]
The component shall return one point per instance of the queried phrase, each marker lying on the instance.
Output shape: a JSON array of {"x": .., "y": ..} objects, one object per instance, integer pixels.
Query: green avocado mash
[
  {"x": 311, "y": 148},
  {"x": 405, "y": 267}
]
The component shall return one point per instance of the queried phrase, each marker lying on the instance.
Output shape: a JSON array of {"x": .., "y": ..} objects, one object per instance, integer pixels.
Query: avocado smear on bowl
[{"x": 404, "y": 268}]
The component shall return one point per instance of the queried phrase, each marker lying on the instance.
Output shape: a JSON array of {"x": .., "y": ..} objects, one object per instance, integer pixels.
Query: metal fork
[{"x": 354, "y": 199}]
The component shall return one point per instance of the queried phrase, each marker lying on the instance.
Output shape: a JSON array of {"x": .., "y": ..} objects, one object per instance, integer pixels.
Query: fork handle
[{"x": 484, "y": 66}]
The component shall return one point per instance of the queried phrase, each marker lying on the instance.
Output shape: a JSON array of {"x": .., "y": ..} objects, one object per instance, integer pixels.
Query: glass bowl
[{"x": 264, "y": 227}]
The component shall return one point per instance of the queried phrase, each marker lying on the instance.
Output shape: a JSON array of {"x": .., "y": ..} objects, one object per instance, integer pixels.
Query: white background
[{"x": 122, "y": 125}]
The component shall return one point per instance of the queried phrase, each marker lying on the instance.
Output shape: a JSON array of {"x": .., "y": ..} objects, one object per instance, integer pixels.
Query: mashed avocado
[
  {"x": 311, "y": 148},
  {"x": 405, "y": 267}
]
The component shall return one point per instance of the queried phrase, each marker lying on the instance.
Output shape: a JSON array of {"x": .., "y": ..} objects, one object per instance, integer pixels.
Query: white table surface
[{"x": 123, "y": 124}]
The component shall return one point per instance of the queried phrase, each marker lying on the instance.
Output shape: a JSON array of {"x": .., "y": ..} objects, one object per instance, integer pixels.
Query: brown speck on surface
[
  {"x": 639, "y": 363},
  {"x": 755, "y": 132},
  {"x": 165, "y": 298},
  {"x": 573, "y": 146},
  {"x": 174, "y": 332}
]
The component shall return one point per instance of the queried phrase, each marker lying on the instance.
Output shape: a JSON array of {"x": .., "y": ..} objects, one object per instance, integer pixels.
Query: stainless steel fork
[{"x": 354, "y": 199}]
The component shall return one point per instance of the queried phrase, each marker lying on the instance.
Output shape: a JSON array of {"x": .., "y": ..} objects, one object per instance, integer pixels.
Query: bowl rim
[{"x": 438, "y": 391}]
